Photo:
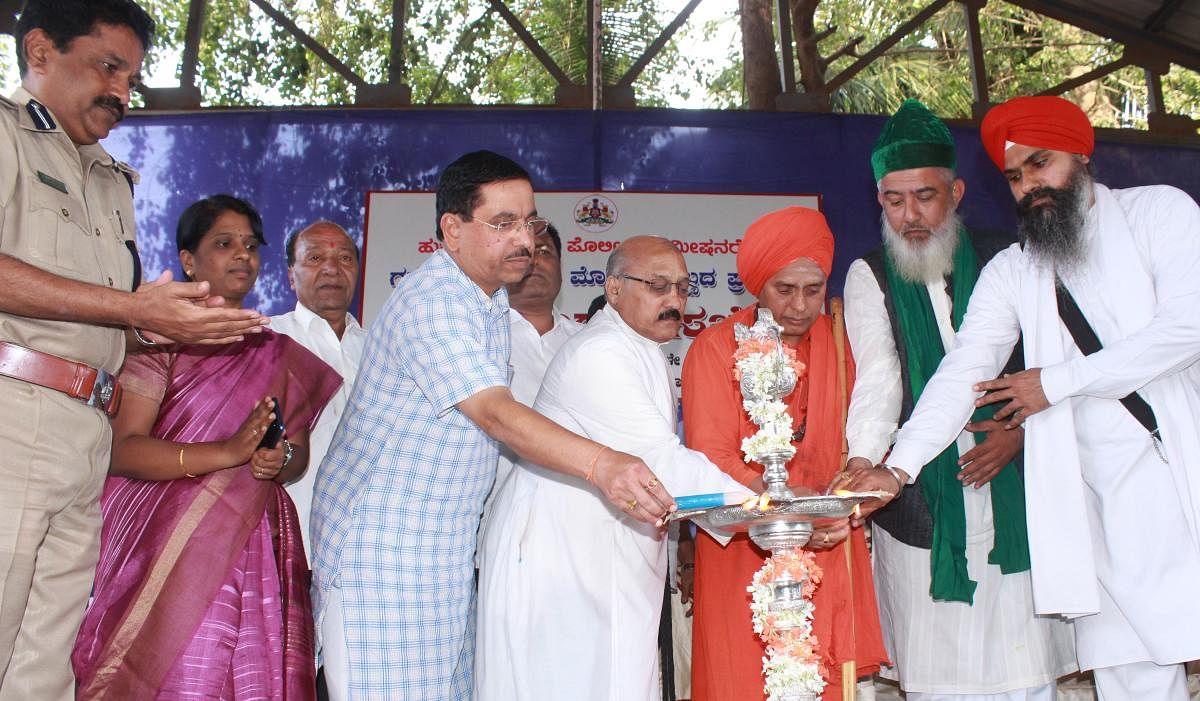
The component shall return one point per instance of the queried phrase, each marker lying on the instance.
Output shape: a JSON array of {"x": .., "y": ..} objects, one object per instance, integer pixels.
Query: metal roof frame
[{"x": 1154, "y": 34}]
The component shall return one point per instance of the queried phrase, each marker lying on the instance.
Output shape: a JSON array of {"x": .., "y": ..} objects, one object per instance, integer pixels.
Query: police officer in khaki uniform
[{"x": 72, "y": 293}]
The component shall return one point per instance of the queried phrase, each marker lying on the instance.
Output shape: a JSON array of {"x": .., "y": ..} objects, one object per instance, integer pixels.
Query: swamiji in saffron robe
[{"x": 727, "y": 654}]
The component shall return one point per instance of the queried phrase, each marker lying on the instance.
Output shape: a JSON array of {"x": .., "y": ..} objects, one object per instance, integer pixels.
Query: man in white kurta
[
  {"x": 1112, "y": 512},
  {"x": 571, "y": 588},
  {"x": 537, "y": 330},
  {"x": 323, "y": 269},
  {"x": 993, "y": 647}
]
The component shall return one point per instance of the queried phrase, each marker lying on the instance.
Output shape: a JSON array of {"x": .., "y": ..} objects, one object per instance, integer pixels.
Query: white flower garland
[{"x": 791, "y": 666}]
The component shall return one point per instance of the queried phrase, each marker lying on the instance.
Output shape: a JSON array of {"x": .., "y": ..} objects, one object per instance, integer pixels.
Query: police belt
[{"x": 89, "y": 385}]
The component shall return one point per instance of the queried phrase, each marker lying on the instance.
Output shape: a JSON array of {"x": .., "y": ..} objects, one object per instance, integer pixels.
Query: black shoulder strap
[
  {"x": 137, "y": 264},
  {"x": 1085, "y": 337}
]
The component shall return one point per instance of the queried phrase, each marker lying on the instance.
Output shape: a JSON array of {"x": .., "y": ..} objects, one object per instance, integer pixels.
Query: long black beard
[{"x": 1053, "y": 233}]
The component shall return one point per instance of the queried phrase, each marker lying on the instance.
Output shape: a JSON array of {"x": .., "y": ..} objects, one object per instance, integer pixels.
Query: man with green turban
[{"x": 951, "y": 553}]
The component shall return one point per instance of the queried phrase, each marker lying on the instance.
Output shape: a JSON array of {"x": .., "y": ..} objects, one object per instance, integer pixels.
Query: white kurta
[
  {"x": 343, "y": 355},
  {"x": 531, "y": 355},
  {"x": 1113, "y": 529},
  {"x": 992, "y": 646},
  {"x": 571, "y": 588}
]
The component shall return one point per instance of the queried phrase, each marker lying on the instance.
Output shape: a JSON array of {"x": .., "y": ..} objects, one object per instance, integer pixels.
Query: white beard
[{"x": 925, "y": 262}]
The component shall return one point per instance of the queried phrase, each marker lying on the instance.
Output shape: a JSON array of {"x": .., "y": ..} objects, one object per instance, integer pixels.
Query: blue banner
[{"x": 299, "y": 166}]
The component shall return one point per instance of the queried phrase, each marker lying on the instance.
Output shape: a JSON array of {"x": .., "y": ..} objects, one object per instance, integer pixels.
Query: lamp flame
[{"x": 759, "y": 503}]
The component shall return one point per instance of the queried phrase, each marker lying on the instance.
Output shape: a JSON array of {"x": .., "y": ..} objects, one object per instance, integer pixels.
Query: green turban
[{"x": 912, "y": 138}]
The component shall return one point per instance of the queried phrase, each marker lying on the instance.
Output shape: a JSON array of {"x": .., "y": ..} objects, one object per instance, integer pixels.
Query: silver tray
[{"x": 738, "y": 519}]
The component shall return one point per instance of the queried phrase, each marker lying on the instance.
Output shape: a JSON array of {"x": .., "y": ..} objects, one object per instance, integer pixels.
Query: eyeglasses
[
  {"x": 535, "y": 226},
  {"x": 661, "y": 285}
]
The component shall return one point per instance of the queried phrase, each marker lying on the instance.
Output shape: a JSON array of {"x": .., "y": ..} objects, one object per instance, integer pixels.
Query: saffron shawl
[{"x": 727, "y": 655}]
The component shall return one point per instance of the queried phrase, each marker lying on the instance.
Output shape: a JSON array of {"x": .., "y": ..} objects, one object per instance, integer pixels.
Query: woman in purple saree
[{"x": 202, "y": 588}]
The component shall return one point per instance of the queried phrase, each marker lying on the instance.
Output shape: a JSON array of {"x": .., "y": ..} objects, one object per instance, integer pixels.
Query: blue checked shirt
[{"x": 397, "y": 502}]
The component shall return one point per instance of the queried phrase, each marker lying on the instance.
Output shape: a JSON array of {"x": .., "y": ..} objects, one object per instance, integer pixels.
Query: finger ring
[
  {"x": 825, "y": 539},
  {"x": 631, "y": 505},
  {"x": 254, "y": 432},
  {"x": 652, "y": 483}
]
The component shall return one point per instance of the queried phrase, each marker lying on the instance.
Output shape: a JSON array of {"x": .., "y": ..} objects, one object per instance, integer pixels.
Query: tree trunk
[
  {"x": 812, "y": 66},
  {"x": 759, "y": 62}
]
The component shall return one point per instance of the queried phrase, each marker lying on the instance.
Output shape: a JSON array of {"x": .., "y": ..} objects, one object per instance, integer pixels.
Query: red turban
[
  {"x": 777, "y": 239},
  {"x": 1043, "y": 121}
]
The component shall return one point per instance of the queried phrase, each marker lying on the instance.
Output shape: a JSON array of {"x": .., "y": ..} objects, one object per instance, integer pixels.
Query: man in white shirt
[
  {"x": 1113, "y": 502},
  {"x": 571, "y": 587},
  {"x": 538, "y": 329},
  {"x": 972, "y": 635},
  {"x": 323, "y": 269}
]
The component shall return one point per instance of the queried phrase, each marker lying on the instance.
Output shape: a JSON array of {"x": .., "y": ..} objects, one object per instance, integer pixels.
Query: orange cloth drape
[{"x": 726, "y": 653}]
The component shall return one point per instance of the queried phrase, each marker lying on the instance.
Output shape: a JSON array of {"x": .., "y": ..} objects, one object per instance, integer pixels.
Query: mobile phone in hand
[{"x": 275, "y": 431}]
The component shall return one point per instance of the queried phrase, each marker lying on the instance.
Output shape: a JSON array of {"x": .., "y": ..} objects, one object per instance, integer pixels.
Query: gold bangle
[
  {"x": 592, "y": 463},
  {"x": 181, "y": 467}
]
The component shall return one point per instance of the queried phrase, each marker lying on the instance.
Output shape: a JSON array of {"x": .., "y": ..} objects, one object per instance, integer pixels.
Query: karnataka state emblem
[{"x": 596, "y": 213}]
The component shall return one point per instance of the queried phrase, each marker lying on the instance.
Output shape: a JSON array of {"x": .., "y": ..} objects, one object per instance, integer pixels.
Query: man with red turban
[
  {"x": 784, "y": 260},
  {"x": 951, "y": 558},
  {"x": 1104, "y": 287}
]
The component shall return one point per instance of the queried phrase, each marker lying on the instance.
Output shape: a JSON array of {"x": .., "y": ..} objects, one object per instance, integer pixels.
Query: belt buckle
[{"x": 106, "y": 393}]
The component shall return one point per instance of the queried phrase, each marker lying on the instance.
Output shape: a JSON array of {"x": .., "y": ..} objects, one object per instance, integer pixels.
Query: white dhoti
[
  {"x": 993, "y": 647},
  {"x": 1141, "y": 680},
  {"x": 1046, "y": 692},
  {"x": 571, "y": 588}
]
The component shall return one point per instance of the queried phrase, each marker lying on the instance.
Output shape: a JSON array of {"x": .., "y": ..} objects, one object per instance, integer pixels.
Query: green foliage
[
  {"x": 455, "y": 51},
  {"x": 461, "y": 51},
  {"x": 719, "y": 70},
  {"x": 1025, "y": 53},
  {"x": 9, "y": 79}
]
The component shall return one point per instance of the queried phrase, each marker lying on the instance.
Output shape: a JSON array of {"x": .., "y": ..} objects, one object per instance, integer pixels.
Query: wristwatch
[{"x": 288, "y": 451}]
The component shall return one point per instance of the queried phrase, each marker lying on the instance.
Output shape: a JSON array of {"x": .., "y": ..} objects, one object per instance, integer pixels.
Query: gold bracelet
[
  {"x": 592, "y": 463},
  {"x": 181, "y": 467}
]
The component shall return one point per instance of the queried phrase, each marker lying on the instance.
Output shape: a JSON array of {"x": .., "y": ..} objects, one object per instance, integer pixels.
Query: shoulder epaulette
[
  {"x": 128, "y": 170},
  {"x": 40, "y": 116},
  {"x": 131, "y": 175}
]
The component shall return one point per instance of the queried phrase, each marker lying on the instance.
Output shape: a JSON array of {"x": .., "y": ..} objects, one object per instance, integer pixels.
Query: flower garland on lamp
[
  {"x": 762, "y": 366},
  {"x": 781, "y": 605},
  {"x": 792, "y": 667}
]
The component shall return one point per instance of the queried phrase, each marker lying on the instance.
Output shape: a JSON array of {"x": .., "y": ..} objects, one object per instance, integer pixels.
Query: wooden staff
[{"x": 850, "y": 667}]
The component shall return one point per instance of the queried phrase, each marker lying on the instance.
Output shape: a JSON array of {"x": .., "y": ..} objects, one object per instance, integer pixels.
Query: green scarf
[{"x": 938, "y": 481}]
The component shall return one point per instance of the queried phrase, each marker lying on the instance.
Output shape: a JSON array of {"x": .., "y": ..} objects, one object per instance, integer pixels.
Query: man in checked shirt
[{"x": 398, "y": 499}]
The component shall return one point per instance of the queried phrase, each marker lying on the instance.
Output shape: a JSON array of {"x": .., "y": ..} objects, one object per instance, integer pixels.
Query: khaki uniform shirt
[{"x": 66, "y": 209}]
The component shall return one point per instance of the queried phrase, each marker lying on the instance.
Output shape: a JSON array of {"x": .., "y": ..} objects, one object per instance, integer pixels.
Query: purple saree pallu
[{"x": 202, "y": 588}]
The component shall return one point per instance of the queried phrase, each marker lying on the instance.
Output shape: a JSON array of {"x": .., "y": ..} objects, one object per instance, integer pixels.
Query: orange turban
[
  {"x": 777, "y": 239},
  {"x": 1043, "y": 121}
]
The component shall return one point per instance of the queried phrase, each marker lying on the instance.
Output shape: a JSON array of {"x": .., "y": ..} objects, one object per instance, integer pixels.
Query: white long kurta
[
  {"x": 992, "y": 646},
  {"x": 1112, "y": 527},
  {"x": 571, "y": 588},
  {"x": 531, "y": 355}
]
